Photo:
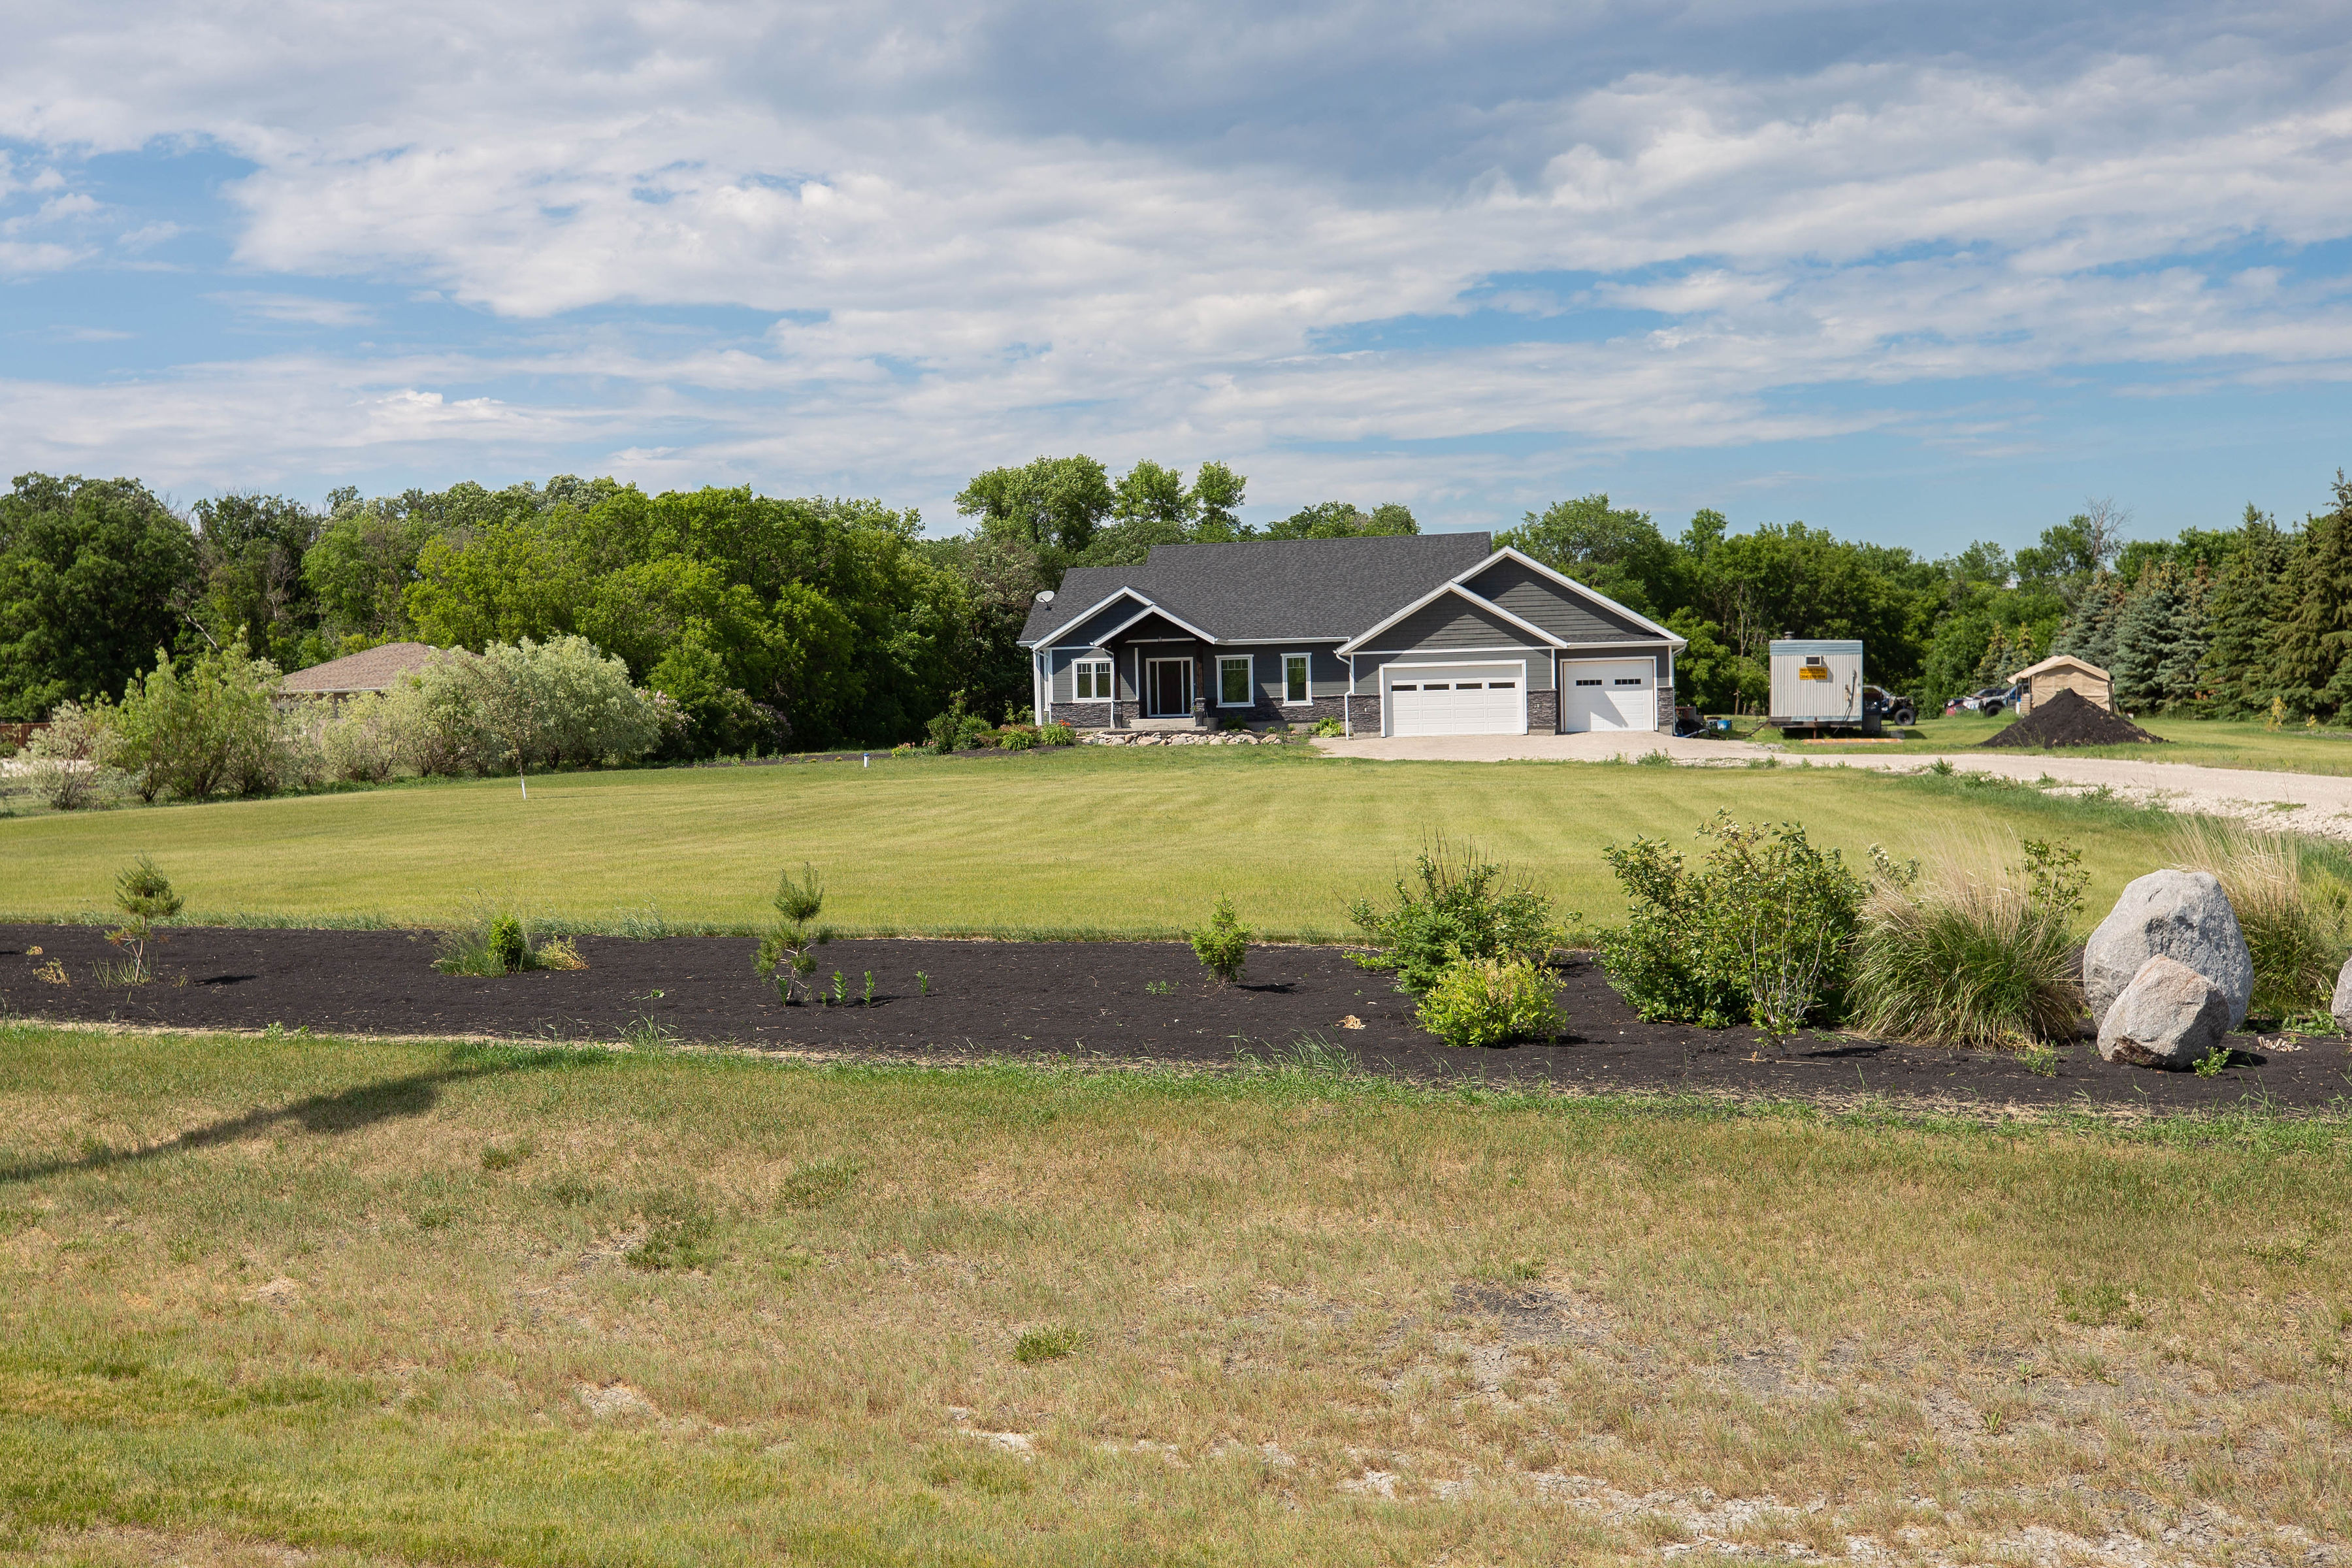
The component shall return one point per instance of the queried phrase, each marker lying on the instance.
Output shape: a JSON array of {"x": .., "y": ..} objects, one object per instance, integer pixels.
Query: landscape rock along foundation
[
  {"x": 2168, "y": 1016},
  {"x": 2180, "y": 915}
]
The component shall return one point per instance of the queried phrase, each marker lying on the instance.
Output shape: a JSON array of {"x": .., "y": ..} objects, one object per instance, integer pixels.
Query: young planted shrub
[
  {"x": 1973, "y": 952},
  {"x": 1464, "y": 906},
  {"x": 788, "y": 952},
  {"x": 2293, "y": 915},
  {"x": 491, "y": 941},
  {"x": 145, "y": 895},
  {"x": 1222, "y": 945},
  {"x": 1487, "y": 1001},
  {"x": 1761, "y": 933},
  {"x": 1057, "y": 735}
]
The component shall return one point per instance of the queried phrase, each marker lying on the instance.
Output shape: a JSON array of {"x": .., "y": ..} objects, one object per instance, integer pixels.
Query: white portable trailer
[{"x": 1817, "y": 684}]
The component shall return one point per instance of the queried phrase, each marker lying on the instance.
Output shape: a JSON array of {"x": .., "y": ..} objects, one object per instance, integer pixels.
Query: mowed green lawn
[{"x": 1086, "y": 841}]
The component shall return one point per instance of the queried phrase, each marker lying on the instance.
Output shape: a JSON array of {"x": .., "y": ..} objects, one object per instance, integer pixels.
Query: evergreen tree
[
  {"x": 2247, "y": 604},
  {"x": 2089, "y": 633},
  {"x": 2160, "y": 639},
  {"x": 2309, "y": 673}
]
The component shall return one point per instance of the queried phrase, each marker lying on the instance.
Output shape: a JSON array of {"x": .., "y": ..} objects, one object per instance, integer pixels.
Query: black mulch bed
[{"x": 1114, "y": 1001}]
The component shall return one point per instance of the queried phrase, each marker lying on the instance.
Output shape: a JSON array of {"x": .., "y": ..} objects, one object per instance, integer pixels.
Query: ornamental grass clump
[
  {"x": 1972, "y": 952},
  {"x": 1458, "y": 905},
  {"x": 1222, "y": 945},
  {"x": 1762, "y": 932},
  {"x": 2293, "y": 913},
  {"x": 788, "y": 952},
  {"x": 491, "y": 941},
  {"x": 1490, "y": 1001}
]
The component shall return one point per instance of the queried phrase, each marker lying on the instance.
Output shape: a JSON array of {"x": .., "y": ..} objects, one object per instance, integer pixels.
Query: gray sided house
[{"x": 1437, "y": 634}]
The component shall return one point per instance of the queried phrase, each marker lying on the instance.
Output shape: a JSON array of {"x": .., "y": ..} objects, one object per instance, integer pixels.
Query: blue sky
[{"x": 1917, "y": 274}]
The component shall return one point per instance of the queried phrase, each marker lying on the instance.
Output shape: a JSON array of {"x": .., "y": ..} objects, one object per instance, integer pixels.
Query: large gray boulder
[
  {"x": 2168, "y": 1016},
  {"x": 2340, "y": 1004},
  {"x": 2181, "y": 915}
]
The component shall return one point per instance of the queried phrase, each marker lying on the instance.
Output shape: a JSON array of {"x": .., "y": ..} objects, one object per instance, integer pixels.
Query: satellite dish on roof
[{"x": 1045, "y": 595}]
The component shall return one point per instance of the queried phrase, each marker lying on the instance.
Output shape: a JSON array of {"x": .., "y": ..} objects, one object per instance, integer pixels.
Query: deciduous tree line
[{"x": 812, "y": 622}]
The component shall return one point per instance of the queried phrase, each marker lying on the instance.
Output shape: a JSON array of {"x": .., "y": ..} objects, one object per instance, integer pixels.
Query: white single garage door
[
  {"x": 1609, "y": 694},
  {"x": 1457, "y": 699}
]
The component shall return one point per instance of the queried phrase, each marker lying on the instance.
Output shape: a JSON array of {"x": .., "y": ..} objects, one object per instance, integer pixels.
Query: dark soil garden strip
[{"x": 1114, "y": 1001}]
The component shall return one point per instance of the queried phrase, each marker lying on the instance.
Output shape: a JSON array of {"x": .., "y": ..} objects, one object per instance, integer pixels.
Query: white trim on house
[
  {"x": 1150, "y": 607},
  {"x": 1088, "y": 670},
  {"x": 1357, "y": 642},
  {"x": 1249, "y": 679},
  {"x": 1596, "y": 596},
  {"x": 1080, "y": 618},
  {"x": 1151, "y": 610},
  {"x": 1403, "y": 652},
  {"x": 1388, "y": 671},
  {"x": 1289, "y": 700}
]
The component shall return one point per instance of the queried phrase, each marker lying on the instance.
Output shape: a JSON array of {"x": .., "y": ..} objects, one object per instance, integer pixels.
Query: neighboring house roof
[
  {"x": 375, "y": 669},
  {"x": 2061, "y": 661},
  {"x": 1268, "y": 590}
]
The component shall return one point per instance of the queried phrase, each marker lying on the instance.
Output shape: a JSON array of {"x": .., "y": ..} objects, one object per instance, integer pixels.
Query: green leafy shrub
[
  {"x": 1487, "y": 1001},
  {"x": 1057, "y": 735},
  {"x": 2293, "y": 915},
  {"x": 1762, "y": 932},
  {"x": 1222, "y": 945},
  {"x": 69, "y": 764},
  {"x": 788, "y": 952},
  {"x": 191, "y": 732},
  {"x": 1017, "y": 738},
  {"x": 1327, "y": 727},
  {"x": 1458, "y": 905},
  {"x": 958, "y": 729},
  {"x": 145, "y": 895},
  {"x": 1975, "y": 954}
]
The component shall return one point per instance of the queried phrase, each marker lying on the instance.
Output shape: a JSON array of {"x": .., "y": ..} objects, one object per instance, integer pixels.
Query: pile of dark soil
[
  {"x": 1102, "y": 1002},
  {"x": 2071, "y": 719}
]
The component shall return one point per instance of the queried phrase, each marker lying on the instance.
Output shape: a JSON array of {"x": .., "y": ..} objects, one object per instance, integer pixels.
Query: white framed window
[
  {"x": 1296, "y": 687},
  {"x": 1234, "y": 682},
  {"x": 1093, "y": 676}
]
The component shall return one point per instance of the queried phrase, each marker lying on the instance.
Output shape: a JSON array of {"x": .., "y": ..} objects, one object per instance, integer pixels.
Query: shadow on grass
[{"x": 346, "y": 1110}]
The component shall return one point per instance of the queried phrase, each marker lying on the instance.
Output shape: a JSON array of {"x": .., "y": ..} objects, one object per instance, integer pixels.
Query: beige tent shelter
[{"x": 2063, "y": 672}]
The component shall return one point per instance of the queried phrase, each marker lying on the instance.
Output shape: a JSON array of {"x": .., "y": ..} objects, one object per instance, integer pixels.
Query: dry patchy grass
[{"x": 399, "y": 1303}]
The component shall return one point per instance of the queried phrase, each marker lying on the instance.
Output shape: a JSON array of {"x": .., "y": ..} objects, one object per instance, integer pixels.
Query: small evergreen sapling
[
  {"x": 788, "y": 952},
  {"x": 1222, "y": 945},
  {"x": 144, "y": 895}
]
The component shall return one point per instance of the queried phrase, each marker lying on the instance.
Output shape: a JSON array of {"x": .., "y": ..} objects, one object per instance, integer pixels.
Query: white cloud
[{"x": 1135, "y": 243}]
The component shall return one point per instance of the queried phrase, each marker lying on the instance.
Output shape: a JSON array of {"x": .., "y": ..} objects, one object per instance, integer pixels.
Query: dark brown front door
[{"x": 1172, "y": 688}]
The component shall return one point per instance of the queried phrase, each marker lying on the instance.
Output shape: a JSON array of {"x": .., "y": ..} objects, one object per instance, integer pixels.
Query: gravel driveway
[{"x": 2309, "y": 802}]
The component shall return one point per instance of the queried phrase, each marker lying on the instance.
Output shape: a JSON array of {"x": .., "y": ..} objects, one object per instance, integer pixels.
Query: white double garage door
[{"x": 1492, "y": 699}]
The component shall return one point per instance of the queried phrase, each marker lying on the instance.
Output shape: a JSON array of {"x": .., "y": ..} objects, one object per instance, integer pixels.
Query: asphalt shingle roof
[
  {"x": 374, "y": 670},
  {"x": 1272, "y": 590}
]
